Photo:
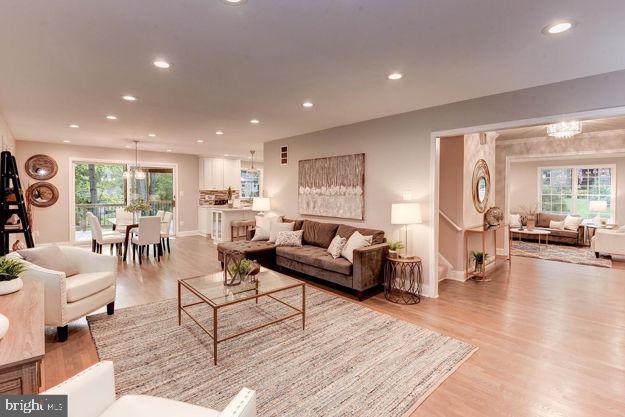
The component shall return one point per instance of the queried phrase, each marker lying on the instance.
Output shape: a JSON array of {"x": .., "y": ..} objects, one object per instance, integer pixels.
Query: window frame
[{"x": 574, "y": 179}]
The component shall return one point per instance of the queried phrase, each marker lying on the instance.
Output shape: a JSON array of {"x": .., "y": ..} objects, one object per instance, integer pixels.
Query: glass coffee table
[{"x": 210, "y": 290}]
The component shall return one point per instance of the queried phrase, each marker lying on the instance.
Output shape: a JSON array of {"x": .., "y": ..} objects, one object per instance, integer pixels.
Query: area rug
[
  {"x": 561, "y": 253},
  {"x": 350, "y": 360}
]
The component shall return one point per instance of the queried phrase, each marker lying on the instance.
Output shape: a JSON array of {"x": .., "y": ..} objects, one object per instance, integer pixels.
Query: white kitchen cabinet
[
  {"x": 203, "y": 220},
  {"x": 220, "y": 173},
  {"x": 217, "y": 225}
]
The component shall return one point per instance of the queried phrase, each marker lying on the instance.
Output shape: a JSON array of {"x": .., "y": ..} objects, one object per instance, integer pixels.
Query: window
[
  {"x": 250, "y": 183},
  {"x": 569, "y": 190}
]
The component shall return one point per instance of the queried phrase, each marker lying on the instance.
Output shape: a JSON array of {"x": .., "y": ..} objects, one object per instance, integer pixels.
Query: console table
[
  {"x": 482, "y": 232},
  {"x": 23, "y": 347}
]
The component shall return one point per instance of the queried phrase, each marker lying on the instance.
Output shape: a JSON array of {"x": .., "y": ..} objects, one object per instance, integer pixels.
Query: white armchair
[
  {"x": 67, "y": 299},
  {"x": 608, "y": 242},
  {"x": 91, "y": 393}
]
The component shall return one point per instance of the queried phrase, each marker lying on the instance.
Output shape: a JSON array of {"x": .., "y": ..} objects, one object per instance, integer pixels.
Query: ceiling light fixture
[
  {"x": 159, "y": 63},
  {"x": 129, "y": 98},
  {"x": 168, "y": 150},
  {"x": 73, "y": 126},
  {"x": 395, "y": 76},
  {"x": 134, "y": 172},
  {"x": 219, "y": 132},
  {"x": 308, "y": 104},
  {"x": 254, "y": 121},
  {"x": 67, "y": 141},
  {"x": 200, "y": 141},
  {"x": 564, "y": 130},
  {"x": 234, "y": 2},
  {"x": 111, "y": 117},
  {"x": 558, "y": 27},
  {"x": 152, "y": 135}
]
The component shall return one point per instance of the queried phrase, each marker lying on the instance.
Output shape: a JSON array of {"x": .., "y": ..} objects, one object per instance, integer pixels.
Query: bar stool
[{"x": 236, "y": 226}]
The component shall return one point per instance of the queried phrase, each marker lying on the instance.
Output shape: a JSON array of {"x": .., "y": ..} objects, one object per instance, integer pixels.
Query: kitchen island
[{"x": 214, "y": 220}]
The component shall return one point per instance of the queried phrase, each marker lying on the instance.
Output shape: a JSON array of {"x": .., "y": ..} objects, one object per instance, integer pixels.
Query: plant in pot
[
  {"x": 394, "y": 248},
  {"x": 529, "y": 214},
  {"x": 137, "y": 206},
  {"x": 480, "y": 259},
  {"x": 10, "y": 269}
]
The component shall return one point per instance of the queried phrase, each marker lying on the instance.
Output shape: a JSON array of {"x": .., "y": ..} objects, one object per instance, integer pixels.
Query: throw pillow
[
  {"x": 556, "y": 225},
  {"x": 515, "y": 220},
  {"x": 276, "y": 227},
  {"x": 263, "y": 227},
  {"x": 572, "y": 223},
  {"x": 336, "y": 246},
  {"x": 355, "y": 241},
  {"x": 49, "y": 257},
  {"x": 289, "y": 238}
]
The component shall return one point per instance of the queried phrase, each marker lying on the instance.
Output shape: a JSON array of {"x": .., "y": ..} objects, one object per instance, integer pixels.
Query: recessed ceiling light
[
  {"x": 219, "y": 132},
  {"x": 254, "y": 121},
  {"x": 111, "y": 117},
  {"x": 67, "y": 141},
  {"x": 168, "y": 150},
  {"x": 395, "y": 76},
  {"x": 128, "y": 146},
  {"x": 152, "y": 135},
  {"x": 161, "y": 64},
  {"x": 200, "y": 141},
  {"x": 73, "y": 126},
  {"x": 227, "y": 154},
  {"x": 558, "y": 27},
  {"x": 308, "y": 104},
  {"x": 234, "y": 2},
  {"x": 129, "y": 98}
]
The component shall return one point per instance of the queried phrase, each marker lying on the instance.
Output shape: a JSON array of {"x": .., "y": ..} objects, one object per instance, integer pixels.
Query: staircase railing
[{"x": 450, "y": 221}]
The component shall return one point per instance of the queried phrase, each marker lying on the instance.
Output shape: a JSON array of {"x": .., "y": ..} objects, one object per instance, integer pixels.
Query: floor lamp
[{"x": 406, "y": 214}]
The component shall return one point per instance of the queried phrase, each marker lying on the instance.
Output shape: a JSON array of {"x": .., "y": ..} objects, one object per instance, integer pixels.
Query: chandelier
[
  {"x": 564, "y": 130},
  {"x": 135, "y": 172}
]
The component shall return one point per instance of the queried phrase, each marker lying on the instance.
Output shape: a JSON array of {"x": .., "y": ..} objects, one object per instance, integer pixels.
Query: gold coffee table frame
[{"x": 212, "y": 292}]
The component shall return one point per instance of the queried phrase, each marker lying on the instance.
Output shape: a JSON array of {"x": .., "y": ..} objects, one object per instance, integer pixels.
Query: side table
[{"x": 402, "y": 280}]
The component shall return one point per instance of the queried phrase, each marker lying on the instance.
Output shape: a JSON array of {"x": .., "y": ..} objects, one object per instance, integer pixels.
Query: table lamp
[
  {"x": 261, "y": 204},
  {"x": 597, "y": 206},
  {"x": 406, "y": 214}
]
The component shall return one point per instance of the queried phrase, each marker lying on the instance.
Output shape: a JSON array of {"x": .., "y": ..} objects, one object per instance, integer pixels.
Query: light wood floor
[{"x": 551, "y": 335}]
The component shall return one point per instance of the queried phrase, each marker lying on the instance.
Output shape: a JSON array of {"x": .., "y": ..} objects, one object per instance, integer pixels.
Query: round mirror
[{"x": 481, "y": 186}]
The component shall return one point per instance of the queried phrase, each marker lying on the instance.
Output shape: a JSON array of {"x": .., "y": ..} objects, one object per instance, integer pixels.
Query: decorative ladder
[{"x": 12, "y": 199}]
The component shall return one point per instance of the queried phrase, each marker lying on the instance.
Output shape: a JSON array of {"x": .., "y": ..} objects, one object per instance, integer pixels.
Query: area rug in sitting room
[
  {"x": 561, "y": 253},
  {"x": 350, "y": 360}
]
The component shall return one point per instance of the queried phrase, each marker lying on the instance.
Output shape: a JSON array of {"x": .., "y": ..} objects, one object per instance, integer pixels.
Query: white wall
[
  {"x": 6, "y": 137},
  {"x": 398, "y": 148},
  {"x": 473, "y": 152},
  {"x": 523, "y": 177},
  {"x": 52, "y": 224}
]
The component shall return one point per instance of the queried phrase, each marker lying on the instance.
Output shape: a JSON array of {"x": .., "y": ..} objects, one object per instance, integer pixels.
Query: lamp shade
[
  {"x": 598, "y": 206},
  {"x": 406, "y": 213},
  {"x": 261, "y": 204}
]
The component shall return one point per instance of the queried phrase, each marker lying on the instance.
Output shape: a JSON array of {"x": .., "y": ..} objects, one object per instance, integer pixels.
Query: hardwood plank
[{"x": 551, "y": 335}]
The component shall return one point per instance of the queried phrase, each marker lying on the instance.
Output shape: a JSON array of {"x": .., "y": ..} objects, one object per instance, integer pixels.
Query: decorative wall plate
[
  {"x": 41, "y": 167},
  {"x": 42, "y": 194}
]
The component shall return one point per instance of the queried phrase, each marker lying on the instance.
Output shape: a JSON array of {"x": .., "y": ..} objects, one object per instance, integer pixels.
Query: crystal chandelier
[
  {"x": 135, "y": 171},
  {"x": 564, "y": 130}
]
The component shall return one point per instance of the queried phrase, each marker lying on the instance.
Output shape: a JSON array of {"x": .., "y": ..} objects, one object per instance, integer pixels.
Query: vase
[
  {"x": 11, "y": 286},
  {"x": 392, "y": 254},
  {"x": 4, "y": 325},
  {"x": 531, "y": 224}
]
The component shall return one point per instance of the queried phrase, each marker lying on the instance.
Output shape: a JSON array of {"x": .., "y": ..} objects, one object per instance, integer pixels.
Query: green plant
[
  {"x": 479, "y": 257},
  {"x": 138, "y": 205},
  {"x": 10, "y": 268},
  {"x": 395, "y": 246},
  {"x": 245, "y": 266}
]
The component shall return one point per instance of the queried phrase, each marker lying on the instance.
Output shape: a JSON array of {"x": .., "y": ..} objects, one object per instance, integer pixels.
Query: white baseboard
[
  {"x": 189, "y": 233},
  {"x": 455, "y": 275}
]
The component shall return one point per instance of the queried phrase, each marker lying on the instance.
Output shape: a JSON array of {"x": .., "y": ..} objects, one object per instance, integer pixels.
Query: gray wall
[{"x": 398, "y": 147}]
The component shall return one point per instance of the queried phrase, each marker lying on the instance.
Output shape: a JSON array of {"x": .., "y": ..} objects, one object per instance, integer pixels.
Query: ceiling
[
  {"x": 588, "y": 126},
  {"x": 70, "y": 61}
]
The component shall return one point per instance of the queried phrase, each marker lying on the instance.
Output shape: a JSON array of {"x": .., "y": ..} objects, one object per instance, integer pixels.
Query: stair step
[{"x": 442, "y": 272}]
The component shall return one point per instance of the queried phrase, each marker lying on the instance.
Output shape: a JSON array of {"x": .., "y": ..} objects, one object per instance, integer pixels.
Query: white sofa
[
  {"x": 91, "y": 393},
  {"x": 67, "y": 299},
  {"x": 608, "y": 242}
]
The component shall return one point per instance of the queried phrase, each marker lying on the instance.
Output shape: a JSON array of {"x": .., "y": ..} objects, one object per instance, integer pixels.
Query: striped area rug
[{"x": 350, "y": 360}]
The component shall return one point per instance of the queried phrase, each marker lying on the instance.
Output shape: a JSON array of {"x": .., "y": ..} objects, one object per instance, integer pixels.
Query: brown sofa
[
  {"x": 571, "y": 237},
  {"x": 313, "y": 259}
]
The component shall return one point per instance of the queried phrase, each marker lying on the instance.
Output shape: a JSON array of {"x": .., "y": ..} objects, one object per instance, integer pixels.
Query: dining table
[{"x": 129, "y": 226}]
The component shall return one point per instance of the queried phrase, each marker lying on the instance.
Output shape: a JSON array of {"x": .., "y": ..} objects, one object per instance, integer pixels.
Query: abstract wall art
[{"x": 333, "y": 187}]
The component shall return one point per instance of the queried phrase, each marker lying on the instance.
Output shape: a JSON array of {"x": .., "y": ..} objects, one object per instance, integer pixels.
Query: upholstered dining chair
[
  {"x": 160, "y": 213},
  {"x": 100, "y": 237},
  {"x": 123, "y": 217},
  {"x": 148, "y": 233},
  {"x": 166, "y": 229}
]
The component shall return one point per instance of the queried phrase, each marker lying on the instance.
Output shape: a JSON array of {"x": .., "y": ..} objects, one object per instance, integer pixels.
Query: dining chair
[
  {"x": 160, "y": 213},
  {"x": 166, "y": 229},
  {"x": 148, "y": 233},
  {"x": 123, "y": 217},
  {"x": 99, "y": 237}
]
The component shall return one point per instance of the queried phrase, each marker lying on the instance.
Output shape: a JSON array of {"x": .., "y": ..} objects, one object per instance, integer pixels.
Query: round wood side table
[{"x": 402, "y": 280}]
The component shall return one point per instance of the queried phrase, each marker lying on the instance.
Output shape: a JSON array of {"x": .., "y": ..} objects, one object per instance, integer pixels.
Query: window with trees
[{"x": 569, "y": 190}]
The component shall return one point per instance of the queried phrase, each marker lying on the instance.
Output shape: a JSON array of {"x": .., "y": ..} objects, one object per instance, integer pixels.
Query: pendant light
[
  {"x": 252, "y": 152},
  {"x": 135, "y": 172}
]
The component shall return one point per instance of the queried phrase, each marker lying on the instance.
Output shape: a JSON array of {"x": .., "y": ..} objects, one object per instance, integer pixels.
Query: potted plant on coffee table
[
  {"x": 10, "y": 269},
  {"x": 529, "y": 213}
]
